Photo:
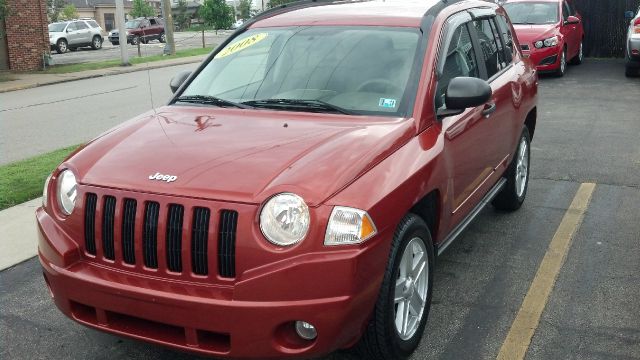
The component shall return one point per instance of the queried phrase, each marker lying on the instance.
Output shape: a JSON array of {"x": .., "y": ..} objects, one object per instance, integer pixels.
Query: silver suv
[
  {"x": 633, "y": 44},
  {"x": 70, "y": 35}
]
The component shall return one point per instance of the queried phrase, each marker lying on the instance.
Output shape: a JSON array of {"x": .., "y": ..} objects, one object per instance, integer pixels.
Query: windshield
[
  {"x": 57, "y": 27},
  {"x": 133, "y": 24},
  {"x": 361, "y": 70},
  {"x": 533, "y": 13}
]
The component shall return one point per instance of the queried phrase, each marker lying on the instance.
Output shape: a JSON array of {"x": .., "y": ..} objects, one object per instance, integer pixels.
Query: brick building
[{"x": 26, "y": 36}]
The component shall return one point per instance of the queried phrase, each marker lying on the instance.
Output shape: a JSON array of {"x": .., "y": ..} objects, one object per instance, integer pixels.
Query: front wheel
[
  {"x": 562, "y": 69},
  {"x": 401, "y": 311},
  {"x": 163, "y": 38},
  {"x": 135, "y": 40},
  {"x": 96, "y": 43},
  {"x": 511, "y": 197},
  {"x": 61, "y": 46}
]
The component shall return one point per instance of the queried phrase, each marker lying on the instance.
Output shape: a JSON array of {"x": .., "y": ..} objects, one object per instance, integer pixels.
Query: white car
[
  {"x": 633, "y": 44},
  {"x": 70, "y": 35},
  {"x": 237, "y": 24}
]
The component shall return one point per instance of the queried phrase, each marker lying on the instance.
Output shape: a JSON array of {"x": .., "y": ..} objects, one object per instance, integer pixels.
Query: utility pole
[
  {"x": 122, "y": 32},
  {"x": 168, "y": 26}
]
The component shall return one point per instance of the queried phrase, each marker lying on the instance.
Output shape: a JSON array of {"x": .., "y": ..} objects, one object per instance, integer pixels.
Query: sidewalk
[
  {"x": 18, "y": 234},
  {"x": 31, "y": 80}
]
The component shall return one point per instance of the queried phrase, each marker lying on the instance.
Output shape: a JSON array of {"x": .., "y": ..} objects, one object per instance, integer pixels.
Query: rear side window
[
  {"x": 491, "y": 46},
  {"x": 80, "y": 25},
  {"x": 507, "y": 36},
  {"x": 93, "y": 24},
  {"x": 460, "y": 61}
]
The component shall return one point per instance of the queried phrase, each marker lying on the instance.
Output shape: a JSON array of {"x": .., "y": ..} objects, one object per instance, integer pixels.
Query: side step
[{"x": 472, "y": 215}]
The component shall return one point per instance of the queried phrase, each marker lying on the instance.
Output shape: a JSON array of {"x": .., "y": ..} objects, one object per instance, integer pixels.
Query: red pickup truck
[
  {"x": 140, "y": 30},
  {"x": 291, "y": 198}
]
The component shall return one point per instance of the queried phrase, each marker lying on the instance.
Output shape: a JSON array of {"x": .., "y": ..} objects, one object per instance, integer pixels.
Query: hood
[
  {"x": 239, "y": 155},
  {"x": 532, "y": 33}
]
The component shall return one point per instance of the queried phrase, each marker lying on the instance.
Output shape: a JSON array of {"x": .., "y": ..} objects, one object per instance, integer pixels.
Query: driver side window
[{"x": 460, "y": 61}]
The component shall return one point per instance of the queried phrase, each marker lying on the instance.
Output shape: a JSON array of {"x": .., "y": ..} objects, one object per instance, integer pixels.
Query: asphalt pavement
[
  {"x": 184, "y": 40},
  {"x": 587, "y": 132}
]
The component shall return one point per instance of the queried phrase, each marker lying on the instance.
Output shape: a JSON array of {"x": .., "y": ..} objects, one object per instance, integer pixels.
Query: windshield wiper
[
  {"x": 211, "y": 100},
  {"x": 298, "y": 104}
]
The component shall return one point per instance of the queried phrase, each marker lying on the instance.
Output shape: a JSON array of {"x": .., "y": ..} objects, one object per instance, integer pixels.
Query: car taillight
[{"x": 636, "y": 25}]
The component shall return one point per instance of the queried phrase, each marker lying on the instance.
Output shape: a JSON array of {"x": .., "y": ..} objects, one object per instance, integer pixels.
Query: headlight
[
  {"x": 45, "y": 192},
  {"x": 284, "y": 219},
  {"x": 67, "y": 191},
  {"x": 349, "y": 226},
  {"x": 550, "y": 42}
]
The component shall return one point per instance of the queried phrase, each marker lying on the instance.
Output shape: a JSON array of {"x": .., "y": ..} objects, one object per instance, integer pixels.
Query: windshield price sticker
[
  {"x": 241, "y": 45},
  {"x": 387, "y": 103}
]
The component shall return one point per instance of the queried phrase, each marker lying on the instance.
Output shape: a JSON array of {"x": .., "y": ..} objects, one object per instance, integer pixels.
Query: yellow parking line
[{"x": 524, "y": 326}]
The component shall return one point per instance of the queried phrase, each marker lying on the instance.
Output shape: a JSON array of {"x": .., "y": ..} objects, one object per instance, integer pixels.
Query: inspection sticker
[
  {"x": 241, "y": 45},
  {"x": 387, "y": 103}
]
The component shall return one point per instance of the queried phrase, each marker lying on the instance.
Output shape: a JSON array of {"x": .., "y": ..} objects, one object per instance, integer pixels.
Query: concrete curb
[
  {"x": 90, "y": 74},
  {"x": 18, "y": 233}
]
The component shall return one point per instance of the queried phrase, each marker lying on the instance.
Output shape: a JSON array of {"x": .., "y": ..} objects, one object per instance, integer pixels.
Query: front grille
[
  {"x": 128, "y": 231},
  {"x": 165, "y": 236},
  {"x": 174, "y": 237},
  {"x": 227, "y": 243},
  {"x": 90, "y": 223},
  {"x": 108, "y": 218},
  {"x": 150, "y": 234}
]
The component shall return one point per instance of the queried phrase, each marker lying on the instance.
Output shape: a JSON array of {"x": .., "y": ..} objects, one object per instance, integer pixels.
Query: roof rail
[{"x": 296, "y": 5}]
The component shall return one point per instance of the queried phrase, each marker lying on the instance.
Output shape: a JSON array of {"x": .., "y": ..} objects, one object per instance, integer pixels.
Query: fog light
[{"x": 306, "y": 330}]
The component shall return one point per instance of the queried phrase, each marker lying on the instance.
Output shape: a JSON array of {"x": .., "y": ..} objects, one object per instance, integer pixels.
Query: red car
[
  {"x": 291, "y": 198},
  {"x": 550, "y": 32}
]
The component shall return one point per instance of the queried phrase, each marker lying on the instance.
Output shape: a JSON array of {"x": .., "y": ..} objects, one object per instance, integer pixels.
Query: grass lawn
[
  {"x": 64, "y": 69},
  {"x": 23, "y": 180}
]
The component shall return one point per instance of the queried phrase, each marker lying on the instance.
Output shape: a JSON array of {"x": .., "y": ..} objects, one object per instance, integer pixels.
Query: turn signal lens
[{"x": 348, "y": 226}]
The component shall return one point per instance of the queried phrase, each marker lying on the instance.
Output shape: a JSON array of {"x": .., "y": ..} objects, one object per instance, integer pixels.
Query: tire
[
  {"x": 577, "y": 60},
  {"x": 562, "y": 69},
  {"x": 630, "y": 71},
  {"x": 135, "y": 40},
  {"x": 511, "y": 197},
  {"x": 382, "y": 339},
  {"x": 62, "y": 46},
  {"x": 96, "y": 43},
  {"x": 162, "y": 38}
]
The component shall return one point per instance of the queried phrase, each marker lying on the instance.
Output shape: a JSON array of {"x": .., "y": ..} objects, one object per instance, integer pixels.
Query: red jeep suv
[
  {"x": 550, "y": 32},
  {"x": 291, "y": 198}
]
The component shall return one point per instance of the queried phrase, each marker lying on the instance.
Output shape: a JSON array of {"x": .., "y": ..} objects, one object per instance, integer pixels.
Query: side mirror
[
  {"x": 68, "y": 30},
  {"x": 572, "y": 20},
  {"x": 463, "y": 93},
  {"x": 629, "y": 15},
  {"x": 178, "y": 80}
]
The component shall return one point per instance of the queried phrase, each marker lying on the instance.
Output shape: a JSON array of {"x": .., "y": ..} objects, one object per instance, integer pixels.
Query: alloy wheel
[
  {"x": 411, "y": 288},
  {"x": 522, "y": 167}
]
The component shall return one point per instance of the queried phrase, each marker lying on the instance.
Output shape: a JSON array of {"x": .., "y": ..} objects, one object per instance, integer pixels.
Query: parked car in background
[
  {"x": 71, "y": 35},
  {"x": 237, "y": 24},
  {"x": 632, "y": 67},
  {"x": 294, "y": 209},
  {"x": 140, "y": 30},
  {"x": 550, "y": 32}
]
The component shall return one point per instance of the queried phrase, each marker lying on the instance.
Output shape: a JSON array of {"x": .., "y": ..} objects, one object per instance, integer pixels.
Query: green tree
[
  {"x": 216, "y": 13},
  {"x": 141, "y": 8},
  {"x": 274, "y": 3},
  {"x": 69, "y": 12},
  {"x": 244, "y": 9},
  {"x": 182, "y": 18},
  {"x": 54, "y": 8}
]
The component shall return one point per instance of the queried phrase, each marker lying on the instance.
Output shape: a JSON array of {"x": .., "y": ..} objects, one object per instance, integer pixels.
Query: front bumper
[
  {"x": 219, "y": 320},
  {"x": 545, "y": 59}
]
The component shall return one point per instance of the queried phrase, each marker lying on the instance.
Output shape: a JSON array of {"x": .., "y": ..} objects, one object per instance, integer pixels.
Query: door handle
[{"x": 489, "y": 109}]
